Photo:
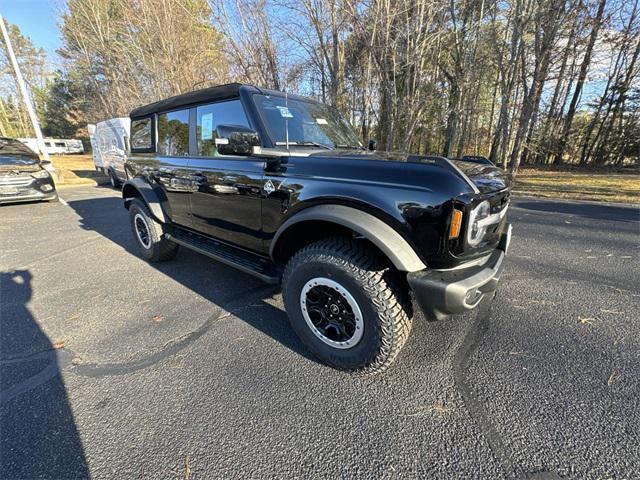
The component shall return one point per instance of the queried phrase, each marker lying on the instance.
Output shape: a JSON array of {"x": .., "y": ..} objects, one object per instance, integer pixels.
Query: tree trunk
[{"x": 584, "y": 68}]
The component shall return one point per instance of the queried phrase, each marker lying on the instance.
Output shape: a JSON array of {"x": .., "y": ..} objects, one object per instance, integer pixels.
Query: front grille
[
  {"x": 15, "y": 180},
  {"x": 18, "y": 186},
  {"x": 498, "y": 201}
]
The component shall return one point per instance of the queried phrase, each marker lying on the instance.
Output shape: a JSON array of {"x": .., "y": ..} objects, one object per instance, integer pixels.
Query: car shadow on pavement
[
  {"x": 38, "y": 435},
  {"x": 108, "y": 217}
]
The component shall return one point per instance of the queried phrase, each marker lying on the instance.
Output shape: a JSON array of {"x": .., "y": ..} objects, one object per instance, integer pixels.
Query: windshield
[
  {"x": 13, "y": 152},
  {"x": 309, "y": 123}
]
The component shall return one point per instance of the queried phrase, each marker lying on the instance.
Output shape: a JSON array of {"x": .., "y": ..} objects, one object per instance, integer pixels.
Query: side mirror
[
  {"x": 236, "y": 140},
  {"x": 372, "y": 144}
]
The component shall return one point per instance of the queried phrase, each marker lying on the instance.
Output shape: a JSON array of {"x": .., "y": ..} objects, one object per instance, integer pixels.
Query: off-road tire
[
  {"x": 379, "y": 290},
  {"x": 158, "y": 248}
]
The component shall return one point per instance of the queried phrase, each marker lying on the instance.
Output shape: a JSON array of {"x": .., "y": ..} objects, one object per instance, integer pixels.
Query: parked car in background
[
  {"x": 280, "y": 186},
  {"x": 110, "y": 144},
  {"x": 22, "y": 174}
]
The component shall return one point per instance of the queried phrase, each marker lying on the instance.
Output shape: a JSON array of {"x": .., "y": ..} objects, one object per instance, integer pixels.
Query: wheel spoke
[{"x": 330, "y": 313}]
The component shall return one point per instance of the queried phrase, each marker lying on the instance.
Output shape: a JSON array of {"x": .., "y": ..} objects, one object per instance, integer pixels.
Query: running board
[{"x": 245, "y": 261}]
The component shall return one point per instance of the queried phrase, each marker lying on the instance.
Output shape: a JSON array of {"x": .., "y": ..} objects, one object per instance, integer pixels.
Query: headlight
[
  {"x": 40, "y": 174},
  {"x": 477, "y": 228}
]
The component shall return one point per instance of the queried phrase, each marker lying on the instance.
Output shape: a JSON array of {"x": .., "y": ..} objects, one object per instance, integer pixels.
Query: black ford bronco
[{"x": 280, "y": 187}]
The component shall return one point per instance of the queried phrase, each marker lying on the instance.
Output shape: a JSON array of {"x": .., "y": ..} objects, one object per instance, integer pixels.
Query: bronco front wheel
[{"x": 347, "y": 305}]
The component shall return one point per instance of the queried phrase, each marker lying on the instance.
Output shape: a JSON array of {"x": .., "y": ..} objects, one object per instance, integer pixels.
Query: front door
[{"x": 227, "y": 203}]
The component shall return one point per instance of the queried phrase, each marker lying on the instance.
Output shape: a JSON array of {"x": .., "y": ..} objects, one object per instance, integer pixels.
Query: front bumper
[
  {"x": 13, "y": 190},
  {"x": 441, "y": 293}
]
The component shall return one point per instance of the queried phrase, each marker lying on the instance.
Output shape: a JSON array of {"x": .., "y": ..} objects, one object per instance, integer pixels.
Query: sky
[{"x": 37, "y": 20}]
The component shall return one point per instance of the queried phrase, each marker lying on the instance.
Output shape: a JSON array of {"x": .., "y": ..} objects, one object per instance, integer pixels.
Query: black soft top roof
[{"x": 210, "y": 94}]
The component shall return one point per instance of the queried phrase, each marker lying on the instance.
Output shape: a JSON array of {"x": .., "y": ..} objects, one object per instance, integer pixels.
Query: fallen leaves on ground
[
  {"x": 58, "y": 345},
  {"x": 157, "y": 318},
  {"x": 586, "y": 320},
  {"x": 187, "y": 468}
]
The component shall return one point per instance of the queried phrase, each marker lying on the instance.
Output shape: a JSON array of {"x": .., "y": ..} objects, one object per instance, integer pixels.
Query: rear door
[
  {"x": 159, "y": 153},
  {"x": 228, "y": 198},
  {"x": 121, "y": 149},
  {"x": 172, "y": 171}
]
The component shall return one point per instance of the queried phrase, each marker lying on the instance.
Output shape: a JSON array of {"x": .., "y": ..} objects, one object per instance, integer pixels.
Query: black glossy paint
[
  {"x": 244, "y": 200},
  {"x": 227, "y": 202}
]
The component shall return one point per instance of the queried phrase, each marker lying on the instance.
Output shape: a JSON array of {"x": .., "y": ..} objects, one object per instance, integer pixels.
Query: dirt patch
[
  {"x": 583, "y": 185},
  {"x": 77, "y": 170}
]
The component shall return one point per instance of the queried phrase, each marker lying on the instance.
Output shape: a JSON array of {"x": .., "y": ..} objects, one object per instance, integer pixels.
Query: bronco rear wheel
[
  {"x": 347, "y": 305},
  {"x": 149, "y": 235}
]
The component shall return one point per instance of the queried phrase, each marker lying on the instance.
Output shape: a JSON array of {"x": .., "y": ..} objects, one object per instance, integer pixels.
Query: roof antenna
[{"x": 286, "y": 118}]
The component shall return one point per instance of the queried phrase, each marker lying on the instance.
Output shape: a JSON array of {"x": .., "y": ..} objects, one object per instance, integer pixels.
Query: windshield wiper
[{"x": 305, "y": 144}]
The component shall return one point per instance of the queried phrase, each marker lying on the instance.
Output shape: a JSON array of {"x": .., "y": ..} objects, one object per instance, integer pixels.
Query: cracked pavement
[{"x": 111, "y": 367}]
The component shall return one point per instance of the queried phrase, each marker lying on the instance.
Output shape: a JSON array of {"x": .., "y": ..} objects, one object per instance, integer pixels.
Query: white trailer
[
  {"x": 110, "y": 143},
  {"x": 74, "y": 146},
  {"x": 55, "y": 146}
]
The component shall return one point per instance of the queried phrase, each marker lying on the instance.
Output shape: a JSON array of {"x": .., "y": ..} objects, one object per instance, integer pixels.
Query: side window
[
  {"x": 210, "y": 116},
  {"x": 173, "y": 133},
  {"x": 141, "y": 138}
]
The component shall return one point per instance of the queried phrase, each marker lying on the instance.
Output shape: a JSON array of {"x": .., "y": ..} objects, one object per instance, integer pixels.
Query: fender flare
[
  {"x": 383, "y": 236},
  {"x": 150, "y": 196}
]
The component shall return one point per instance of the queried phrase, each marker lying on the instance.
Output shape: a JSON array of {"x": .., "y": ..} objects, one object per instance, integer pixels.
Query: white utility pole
[{"x": 25, "y": 94}]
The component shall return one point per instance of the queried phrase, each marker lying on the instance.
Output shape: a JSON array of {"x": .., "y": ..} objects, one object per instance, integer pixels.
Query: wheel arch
[
  {"x": 138, "y": 188},
  {"x": 337, "y": 219}
]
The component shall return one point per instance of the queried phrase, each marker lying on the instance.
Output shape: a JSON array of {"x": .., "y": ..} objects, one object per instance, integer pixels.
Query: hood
[
  {"x": 17, "y": 168},
  {"x": 486, "y": 177}
]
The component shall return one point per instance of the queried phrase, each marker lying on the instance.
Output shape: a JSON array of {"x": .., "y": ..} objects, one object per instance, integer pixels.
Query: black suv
[{"x": 279, "y": 186}]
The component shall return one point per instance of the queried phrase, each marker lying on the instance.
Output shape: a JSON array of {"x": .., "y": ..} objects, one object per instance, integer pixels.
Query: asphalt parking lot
[{"x": 111, "y": 367}]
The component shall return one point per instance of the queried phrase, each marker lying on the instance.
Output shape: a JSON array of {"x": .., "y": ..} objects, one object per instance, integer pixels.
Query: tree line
[{"x": 519, "y": 81}]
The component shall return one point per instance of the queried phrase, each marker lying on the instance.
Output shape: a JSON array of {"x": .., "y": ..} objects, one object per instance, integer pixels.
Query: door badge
[{"x": 268, "y": 187}]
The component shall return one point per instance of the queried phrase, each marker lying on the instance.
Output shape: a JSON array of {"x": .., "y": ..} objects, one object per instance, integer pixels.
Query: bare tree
[{"x": 584, "y": 68}]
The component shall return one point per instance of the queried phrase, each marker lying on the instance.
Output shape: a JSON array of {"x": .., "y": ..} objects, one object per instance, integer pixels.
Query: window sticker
[
  {"x": 321, "y": 121},
  {"x": 207, "y": 126},
  {"x": 284, "y": 112}
]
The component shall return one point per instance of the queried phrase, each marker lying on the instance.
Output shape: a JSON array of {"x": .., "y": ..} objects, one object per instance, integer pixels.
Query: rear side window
[
  {"x": 173, "y": 133},
  {"x": 210, "y": 116},
  {"x": 141, "y": 138}
]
